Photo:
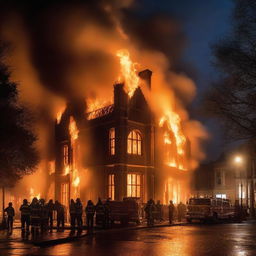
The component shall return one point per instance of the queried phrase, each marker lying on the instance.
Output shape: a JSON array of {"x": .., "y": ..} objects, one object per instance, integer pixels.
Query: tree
[
  {"x": 18, "y": 156},
  {"x": 233, "y": 97}
]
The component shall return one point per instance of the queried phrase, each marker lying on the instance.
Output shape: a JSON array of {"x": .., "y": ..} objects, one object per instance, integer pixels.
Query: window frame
[
  {"x": 134, "y": 185},
  {"x": 111, "y": 186},
  {"x": 134, "y": 143},
  {"x": 65, "y": 155},
  {"x": 112, "y": 141}
]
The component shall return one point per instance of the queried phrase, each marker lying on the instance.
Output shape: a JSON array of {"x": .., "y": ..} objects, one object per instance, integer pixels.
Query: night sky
[{"x": 204, "y": 23}]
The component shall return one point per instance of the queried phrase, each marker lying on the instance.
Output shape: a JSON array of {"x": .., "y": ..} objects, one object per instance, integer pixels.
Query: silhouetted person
[
  {"x": 79, "y": 213},
  {"x": 10, "y": 215},
  {"x": 25, "y": 215},
  {"x": 50, "y": 207},
  {"x": 149, "y": 210},
  {"x": 181, "y": 208},
  {"x": 100, "y": 213},
  {"x": 171, "y": 208},
  {"x": 60, "y": 215},
  {"x": 159, "y": 210},
  {"x": 90, "y": 211},
  {"x": 72, "y": 211},
  {"x": 43, "y": 215},
  {"x": 35, "y": 215}
]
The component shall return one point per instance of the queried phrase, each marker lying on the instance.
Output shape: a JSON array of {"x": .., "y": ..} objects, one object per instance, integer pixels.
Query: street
[{"x": 194, "y": 240}]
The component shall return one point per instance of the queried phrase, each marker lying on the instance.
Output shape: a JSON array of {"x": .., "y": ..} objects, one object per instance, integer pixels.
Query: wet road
[{"x": 194, "y": 240}]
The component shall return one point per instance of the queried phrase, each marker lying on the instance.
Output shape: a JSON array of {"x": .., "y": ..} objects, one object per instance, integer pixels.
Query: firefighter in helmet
[
  {"x": 149, "y": 210},
  {"x": 60, "y": 215},
  {"x": 171, "y": 208},
  {"x": 10, "y": 215},
  {"x": 100, "y": 213},
  {"x": 50, "y": 208},
  {"x": 43, "y": 215},
  {"x": 72, "y": 212},
  {"x": 79, "y": 213},
  {"x": 90, "y": 211},
  {"x": 35, "y": 216},
  {"x": 25, "y": 216}
]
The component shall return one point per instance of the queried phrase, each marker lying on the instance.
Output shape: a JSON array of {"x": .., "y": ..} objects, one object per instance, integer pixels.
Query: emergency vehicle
[{"x": 204, "y": 209}]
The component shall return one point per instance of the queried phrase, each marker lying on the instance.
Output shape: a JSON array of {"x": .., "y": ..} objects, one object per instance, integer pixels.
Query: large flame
[
  {"x": 73, "y": 131},
  {"x": 173, "y": 122},
  {"x": 60, "y": 113},
  {"x": 128, "y": 71}
]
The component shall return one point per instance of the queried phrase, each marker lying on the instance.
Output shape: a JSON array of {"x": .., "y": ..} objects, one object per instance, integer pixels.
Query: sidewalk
[{"x": 49, "y": 239}]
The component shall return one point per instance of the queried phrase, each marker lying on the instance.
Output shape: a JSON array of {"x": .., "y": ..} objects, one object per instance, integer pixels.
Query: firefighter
[
  {"x": 60, "y": 215},
  {"x": 159, "y": 210},
  {"x": 35, "y": 216},
  {"x": 50, "y": 207},
  {"x": 149, "y": 209},
  {"x": 10, "y": 215},
  {"x": 25, "y": 216},
  {"x": 90, "y": 211},
  {"x": 181, "y": 211},
  {"x": 43, "y": 215},
  {"x": 100, "y": 213},
  {"x": 72, "y": 211},
  {"x": 171, "y": 211},
  {"x": 79, "y": 213}
]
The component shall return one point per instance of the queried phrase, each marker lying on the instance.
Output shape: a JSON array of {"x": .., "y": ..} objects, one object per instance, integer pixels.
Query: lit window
[
  {"x": 65, "y": 155},
  {"x": 111, "y": 186},
  {"x": 134, "y": 143},
  {"x": 112, "y": 141},
  {"x": 64, "y": 194},
  {"x": 133, "y": 185},
  {"x": 224, "y": 196}
]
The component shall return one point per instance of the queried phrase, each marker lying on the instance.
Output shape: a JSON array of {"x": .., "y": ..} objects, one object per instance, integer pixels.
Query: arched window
[
  {"x": 112, "y": 141},
  {"x": 134, "y": 143}
]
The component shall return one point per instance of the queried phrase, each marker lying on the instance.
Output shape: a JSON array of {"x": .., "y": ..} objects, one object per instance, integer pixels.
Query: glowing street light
[{"x": 238, "y": 159}]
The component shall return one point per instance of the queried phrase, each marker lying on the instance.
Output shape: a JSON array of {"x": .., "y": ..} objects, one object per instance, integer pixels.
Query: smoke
[{"x": 65, "y": 49}]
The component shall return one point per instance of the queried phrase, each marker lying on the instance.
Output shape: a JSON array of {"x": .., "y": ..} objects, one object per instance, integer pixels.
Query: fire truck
[
  {"x": 125, "y": 211},
  {"x": 214, "y": 209}
]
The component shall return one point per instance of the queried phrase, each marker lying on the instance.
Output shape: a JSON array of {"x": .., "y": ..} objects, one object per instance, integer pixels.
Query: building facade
[{"x": 116, "y": 151}]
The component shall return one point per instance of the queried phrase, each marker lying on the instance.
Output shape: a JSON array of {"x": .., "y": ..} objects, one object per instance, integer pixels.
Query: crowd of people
[
  {"x": 154, "y": 211},
  {"x": 38, "y": 215}
]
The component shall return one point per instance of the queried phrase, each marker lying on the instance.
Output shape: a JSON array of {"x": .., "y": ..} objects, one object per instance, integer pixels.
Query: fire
[
  {"x": 73, "y": 131},
  {"x": 32, "y": 194},
  {"x": 66, "y": 170},
  {"x": 167, "y": 139},
  {"x": 94, "y": 104},
  {"x": 128, "y": 71},
  {"x": 60, "y": 113},
  {"x": 173, "y": 122},
  {"x": 76, "y": 178}
]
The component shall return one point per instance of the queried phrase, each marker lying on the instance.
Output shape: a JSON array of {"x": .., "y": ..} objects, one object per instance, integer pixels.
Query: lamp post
[{"x": 238, "y": 160}]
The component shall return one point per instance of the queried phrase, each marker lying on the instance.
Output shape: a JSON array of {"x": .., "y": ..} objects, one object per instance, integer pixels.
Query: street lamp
[{"x": 238, "y": 160}]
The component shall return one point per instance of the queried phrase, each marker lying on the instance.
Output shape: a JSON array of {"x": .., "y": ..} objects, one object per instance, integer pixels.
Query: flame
[
  {"x": 173, "y": 122},
  {"x": 167, "y": 139},
  {"x": 76, "y": 181},
  {"x": 128, "y": 71},
  {"x": 32, "y": 194},
  {"x": 66, "y": 170},
  {"x": 60, "y": 113},
  {"x": 73, "y": 131},
  {"x": 94, "y": 104}
]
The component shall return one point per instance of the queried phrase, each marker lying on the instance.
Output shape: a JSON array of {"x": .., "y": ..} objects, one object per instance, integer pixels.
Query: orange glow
[
  {"x": 173, "y": 122},
  {"x": 128, "y": 71},
  {"x": 32, "y": 194},
  {"x": 73, "y": 131},
  {"x": 167, "y": 139},
  {"x": 76, "y": 179},
  {"x": 60, "y": 113},
  {"x": 66, "y": 170}
]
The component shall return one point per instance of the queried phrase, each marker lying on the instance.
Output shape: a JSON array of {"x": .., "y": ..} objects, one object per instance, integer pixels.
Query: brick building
[{"x": 119, "y": 152}]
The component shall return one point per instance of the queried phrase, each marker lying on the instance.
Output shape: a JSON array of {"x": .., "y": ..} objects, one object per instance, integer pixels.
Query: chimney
[
  {"x": 120, "y": 96},
  {"x": 146, "y": 76}
]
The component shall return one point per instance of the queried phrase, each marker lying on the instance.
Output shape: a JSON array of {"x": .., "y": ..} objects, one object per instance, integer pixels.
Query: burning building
[{"x": 121, "y": 150}]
